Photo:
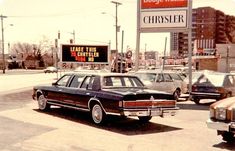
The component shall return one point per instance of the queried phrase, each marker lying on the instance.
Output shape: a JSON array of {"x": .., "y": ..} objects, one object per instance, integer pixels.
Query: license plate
[{"x": 155, "y": 112}]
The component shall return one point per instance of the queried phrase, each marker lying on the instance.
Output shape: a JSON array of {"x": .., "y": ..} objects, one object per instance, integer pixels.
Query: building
[
  {"x": 226, "y": 59},
  {"x": 209, "y": 27}
]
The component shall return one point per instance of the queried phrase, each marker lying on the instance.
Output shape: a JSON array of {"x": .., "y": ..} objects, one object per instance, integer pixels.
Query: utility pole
[
  {"x": 227, "y": 59},
  {"x": 116, "y": 22},
  {"x": 117, "y": 29},
  {"x": 73, "y": 33},
  {"x": 3, "y": 53}
]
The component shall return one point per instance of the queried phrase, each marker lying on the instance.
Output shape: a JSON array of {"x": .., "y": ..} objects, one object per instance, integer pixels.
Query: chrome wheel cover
[
  {"x": 42, "y": 102},
  {"x": 97, "y": 114}
]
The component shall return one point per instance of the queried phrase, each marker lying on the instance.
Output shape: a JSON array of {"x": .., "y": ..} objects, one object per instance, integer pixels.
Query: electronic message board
[{"x": 84, "y": 53}]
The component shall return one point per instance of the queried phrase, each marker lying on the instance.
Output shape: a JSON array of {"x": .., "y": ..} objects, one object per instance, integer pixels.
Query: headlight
[{"x": 220, "y": 113}]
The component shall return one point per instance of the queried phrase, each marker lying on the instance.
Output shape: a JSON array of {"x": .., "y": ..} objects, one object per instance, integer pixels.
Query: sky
[{"x": 34, "y": 19}]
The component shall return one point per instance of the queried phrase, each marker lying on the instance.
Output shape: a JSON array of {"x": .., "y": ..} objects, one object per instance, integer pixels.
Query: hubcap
[
  {"x": 97, "y": 114},
  {"x": 41, "y": 102}
]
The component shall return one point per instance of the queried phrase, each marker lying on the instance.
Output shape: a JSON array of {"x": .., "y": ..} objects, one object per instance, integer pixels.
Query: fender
[
  {"x": 39, "y": 91},
  {"x": 96, "y": 100}
]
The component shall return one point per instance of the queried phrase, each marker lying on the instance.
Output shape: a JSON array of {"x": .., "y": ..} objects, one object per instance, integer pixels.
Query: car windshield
[{"x": 121, "y": 81}]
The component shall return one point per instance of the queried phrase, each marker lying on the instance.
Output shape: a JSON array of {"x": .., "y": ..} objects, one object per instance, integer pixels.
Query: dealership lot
[{"x": 24, "y": 127}]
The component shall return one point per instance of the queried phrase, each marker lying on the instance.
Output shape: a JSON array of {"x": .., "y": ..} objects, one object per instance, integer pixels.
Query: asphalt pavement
[{"x": 19, "y": 80}]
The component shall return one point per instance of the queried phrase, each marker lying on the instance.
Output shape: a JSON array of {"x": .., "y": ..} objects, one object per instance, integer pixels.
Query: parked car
[
  {"x": 213, "y": 85},
  {"x": 161, "y": 81},
  {"x": 102, "y": 94},
  {"x": 51, "y": 69},
  {"x": 222, "y": 118}
]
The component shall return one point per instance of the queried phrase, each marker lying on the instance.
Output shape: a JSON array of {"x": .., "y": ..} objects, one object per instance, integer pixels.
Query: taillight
[
  {"x": 120, "y": 103},
  {"x": 194, "y": 88}
]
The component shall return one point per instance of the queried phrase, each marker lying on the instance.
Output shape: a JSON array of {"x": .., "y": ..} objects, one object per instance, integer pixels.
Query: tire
[
  {"x": 176, "y": 94},
  {"x": 144, "y": 119},
  {"x": 228, "y": 137},
  {"x": 196, "y": 101},
  {"x": 228, "y": 95},
  {"x": 97, "y": 114},
  {"x": 42, "y": 103}
]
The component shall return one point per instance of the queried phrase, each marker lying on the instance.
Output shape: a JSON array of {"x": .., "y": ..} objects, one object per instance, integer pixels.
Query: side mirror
[{"x": 54, "y": 83}]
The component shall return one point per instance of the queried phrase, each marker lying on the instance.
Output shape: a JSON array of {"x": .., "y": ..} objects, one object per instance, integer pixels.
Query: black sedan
[
  {"x": 213, "y": 85},
  {"x": 102, "y": 94}
]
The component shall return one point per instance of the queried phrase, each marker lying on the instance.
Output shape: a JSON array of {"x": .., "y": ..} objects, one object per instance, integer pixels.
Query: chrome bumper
[
  {"x": 220, "y": 126},
  {"x": 151, "y": 112}
]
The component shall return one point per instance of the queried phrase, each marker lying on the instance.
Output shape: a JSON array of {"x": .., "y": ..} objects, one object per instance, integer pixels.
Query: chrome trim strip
[
  {"x": 68, "y": 106},
  {"x": 201, "y": 93}
]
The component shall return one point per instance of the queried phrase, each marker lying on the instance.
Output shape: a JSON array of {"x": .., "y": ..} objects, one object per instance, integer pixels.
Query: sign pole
[
  {"x": 137, "y": 37},
  {"x": 190, "y": 44}
]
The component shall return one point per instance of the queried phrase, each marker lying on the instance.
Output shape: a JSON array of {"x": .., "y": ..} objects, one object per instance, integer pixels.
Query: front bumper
[
  {"x": 151, "y": 112},
  {"x": 221, "y": 126}
]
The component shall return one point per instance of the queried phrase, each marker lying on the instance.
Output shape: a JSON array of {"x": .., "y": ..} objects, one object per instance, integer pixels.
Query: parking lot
[{"x": 24, "y": 127}]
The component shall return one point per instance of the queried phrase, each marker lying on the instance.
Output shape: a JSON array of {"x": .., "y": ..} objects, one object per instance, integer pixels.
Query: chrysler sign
[
  {"x": 166, "y": 19},
  {"x": 163, "y": 15}
]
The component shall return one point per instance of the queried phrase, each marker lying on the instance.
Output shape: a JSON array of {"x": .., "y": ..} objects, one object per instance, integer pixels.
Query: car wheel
[
  {"x": 97, "y": 114},
  {"x": 228, "y": 95},
  {"x": 176, "y": 94},
  {"x": 228, "y": 136},
  {"x": 145, "y": 119},
  {"x": 42, "y": 103},
  {"x": 196, "y": 101}
]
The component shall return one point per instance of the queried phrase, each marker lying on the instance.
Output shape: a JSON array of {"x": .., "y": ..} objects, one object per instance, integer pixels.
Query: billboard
[{"x": 84, "y": 53}]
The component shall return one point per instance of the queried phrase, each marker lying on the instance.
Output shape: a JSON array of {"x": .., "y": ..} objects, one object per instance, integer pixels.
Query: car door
[
  {"x": 71, "y": 92},
  {"x": 164, "y": 83},
  {"x": 56, "y": 94},
  {"x": 85, "y": 92}
]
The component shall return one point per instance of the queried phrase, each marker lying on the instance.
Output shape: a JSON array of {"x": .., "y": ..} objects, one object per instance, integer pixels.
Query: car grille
[{"x": 233, "y": 114}]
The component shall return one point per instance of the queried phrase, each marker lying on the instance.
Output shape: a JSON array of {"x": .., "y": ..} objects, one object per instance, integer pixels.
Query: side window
[
  {"x": 229, "y": 81},
  {"x": 76, "y": 81},
  {"x": 88, "y": 82},
  {"x": 167, "y": 78},
  {"x": 160, "y": 78},
  {"x": 63, "y": 81}
]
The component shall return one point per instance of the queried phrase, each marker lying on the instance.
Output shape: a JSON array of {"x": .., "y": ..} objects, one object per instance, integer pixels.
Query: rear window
[{"x": 121, "y": 81}]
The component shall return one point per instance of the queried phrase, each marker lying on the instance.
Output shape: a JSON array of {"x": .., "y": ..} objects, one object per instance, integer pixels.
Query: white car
[
  {"x": 51, "y": 69},
  {"x": 161, "y": 81}
]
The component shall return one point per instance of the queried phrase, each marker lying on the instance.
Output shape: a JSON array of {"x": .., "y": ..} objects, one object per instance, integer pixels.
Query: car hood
[{"x": 227, "y": 103}]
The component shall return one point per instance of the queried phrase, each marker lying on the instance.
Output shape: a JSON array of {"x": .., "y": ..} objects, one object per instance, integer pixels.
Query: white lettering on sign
[
  {"x": 164, "y": 19},
  {"x": 153, "y": 1},
  {"x": 150, "y": 4}
]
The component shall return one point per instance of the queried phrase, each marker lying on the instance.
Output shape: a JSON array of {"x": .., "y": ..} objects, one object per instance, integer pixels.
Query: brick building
[{"x": 209, "y": 27}]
